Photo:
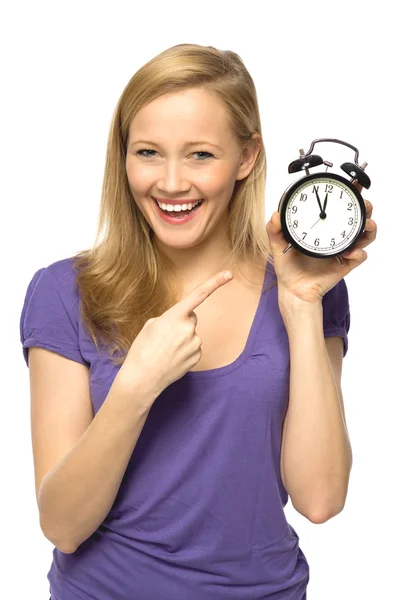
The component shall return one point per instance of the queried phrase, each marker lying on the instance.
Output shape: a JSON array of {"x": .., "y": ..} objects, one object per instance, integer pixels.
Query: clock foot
[
  {"x": 339, "y": 259},
  {"x": 288, "y": 247}
]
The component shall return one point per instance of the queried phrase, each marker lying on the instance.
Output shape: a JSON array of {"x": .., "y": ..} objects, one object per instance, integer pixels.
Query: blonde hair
[{"x": 123, "y": 279}]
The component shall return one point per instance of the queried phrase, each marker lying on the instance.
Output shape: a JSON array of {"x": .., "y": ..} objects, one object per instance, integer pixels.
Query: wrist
[
  {"x": 293, "y": 309},
  {"x": 134, "y": 385}
]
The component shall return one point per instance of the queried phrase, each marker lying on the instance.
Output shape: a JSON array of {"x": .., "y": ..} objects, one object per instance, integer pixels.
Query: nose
[{"x": 172, "y": 182}]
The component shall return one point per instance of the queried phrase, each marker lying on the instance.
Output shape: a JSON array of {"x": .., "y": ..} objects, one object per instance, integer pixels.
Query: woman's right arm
[
  {"x": 78, "y": 492},
  {"x": 80, "y": 460}
]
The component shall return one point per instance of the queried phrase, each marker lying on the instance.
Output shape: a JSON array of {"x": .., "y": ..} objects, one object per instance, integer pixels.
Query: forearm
[
  {"x": 316, "y": 456},
  {"x": 78, "y": 493}
]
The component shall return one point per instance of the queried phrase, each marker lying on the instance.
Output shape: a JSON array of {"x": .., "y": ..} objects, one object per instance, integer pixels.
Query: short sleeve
[
  {"x": 336, "y": 313},
  {"x": 48, "y": 319}
]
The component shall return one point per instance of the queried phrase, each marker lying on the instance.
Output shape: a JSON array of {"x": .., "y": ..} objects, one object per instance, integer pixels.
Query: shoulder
[
  {"x": 52, "y": 288},
  {"x": 63, "y": 271},
  {"x": 50, "y": 312}
]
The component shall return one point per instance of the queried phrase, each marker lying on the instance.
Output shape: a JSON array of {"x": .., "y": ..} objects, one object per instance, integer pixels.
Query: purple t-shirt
[{"x": 199, "y": 513}]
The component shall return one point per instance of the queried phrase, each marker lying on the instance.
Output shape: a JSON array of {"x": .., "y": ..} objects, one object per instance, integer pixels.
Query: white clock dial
[{"x": 334, "y": 232}]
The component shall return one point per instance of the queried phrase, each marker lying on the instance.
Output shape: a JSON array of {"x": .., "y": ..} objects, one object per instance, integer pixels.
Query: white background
[{"x": 321, "y": 70}]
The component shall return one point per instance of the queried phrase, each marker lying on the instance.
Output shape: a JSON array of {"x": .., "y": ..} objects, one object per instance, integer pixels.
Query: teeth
[{"x": 177, "y": 207}]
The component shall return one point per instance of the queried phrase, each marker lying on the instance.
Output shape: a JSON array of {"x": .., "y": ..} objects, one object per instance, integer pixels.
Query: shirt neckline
[{"x": 219, "y": 371}]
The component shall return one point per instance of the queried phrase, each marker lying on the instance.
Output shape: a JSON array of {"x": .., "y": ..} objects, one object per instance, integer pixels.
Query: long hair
[{"x": 123, "y": 279}]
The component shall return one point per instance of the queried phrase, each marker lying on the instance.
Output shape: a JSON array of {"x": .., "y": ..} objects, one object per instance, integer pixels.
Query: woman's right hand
[{"x": 167, "y": 346}]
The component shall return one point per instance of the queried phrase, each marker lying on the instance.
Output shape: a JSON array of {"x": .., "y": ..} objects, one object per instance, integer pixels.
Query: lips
[
  {"x": 178, "y": 217},
  {"x": 180, "y": 202}
]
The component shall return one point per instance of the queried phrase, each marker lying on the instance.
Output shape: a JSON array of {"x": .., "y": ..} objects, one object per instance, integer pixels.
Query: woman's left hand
[{"x": 307, "y": 278}]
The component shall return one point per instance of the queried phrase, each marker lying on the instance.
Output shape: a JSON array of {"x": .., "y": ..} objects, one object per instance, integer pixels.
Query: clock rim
[{"x": 288, "y": 193}]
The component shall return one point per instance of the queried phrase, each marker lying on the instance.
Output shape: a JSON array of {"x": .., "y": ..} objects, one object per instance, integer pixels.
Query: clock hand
[
  {"x": 319, "y": 201},
  {"x": 322, "y": 209},
  {"x": 325, "y": 203},
  {"x": 315, "y": 223}
]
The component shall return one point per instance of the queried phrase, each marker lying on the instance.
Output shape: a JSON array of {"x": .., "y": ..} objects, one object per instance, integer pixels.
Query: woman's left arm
[{"x": 316, "y": 456}]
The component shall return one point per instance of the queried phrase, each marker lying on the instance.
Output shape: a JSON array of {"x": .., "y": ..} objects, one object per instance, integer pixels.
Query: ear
[{"x": 250, "y": 151}]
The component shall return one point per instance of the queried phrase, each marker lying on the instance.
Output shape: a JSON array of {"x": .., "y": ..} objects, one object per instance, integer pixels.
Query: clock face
[{"x": 323, "y": 214}]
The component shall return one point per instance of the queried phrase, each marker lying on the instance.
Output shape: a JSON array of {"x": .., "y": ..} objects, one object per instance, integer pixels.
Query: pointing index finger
[{"x": 204, "y": 290}]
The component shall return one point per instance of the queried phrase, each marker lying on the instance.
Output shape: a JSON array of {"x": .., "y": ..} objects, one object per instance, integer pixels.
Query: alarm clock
[{"x": 323, "y": 215}]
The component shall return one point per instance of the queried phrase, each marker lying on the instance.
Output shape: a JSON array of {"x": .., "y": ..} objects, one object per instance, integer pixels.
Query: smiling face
[{"x": 164, "y": 165}]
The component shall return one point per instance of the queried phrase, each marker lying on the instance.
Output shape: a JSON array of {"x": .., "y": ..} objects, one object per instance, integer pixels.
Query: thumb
[{"x": 276, "y": 238}]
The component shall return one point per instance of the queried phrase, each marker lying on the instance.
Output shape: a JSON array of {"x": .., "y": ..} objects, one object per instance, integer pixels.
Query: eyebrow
[{"x": 185, "y": 145}]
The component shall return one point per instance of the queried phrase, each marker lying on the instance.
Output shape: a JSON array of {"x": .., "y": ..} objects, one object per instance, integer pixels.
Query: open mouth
[{"x": 178, "y": 215}]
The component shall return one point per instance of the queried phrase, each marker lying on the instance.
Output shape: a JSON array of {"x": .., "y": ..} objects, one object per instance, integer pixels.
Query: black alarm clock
[{"x": 323, "y": 215}]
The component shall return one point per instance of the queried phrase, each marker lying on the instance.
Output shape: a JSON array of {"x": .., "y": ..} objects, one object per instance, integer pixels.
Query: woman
[{"x": 164, "y": 472}]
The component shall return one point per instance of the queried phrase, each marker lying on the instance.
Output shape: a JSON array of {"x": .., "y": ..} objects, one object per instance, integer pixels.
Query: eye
[
  {"x": 139, "y": 152},
  {"x": 209, "y": 154}
]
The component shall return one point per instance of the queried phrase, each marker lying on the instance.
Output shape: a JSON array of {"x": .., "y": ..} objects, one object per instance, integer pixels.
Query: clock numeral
[
  {"x": 350, "y": 221},
  {"x": 304, "y": 234},
  {"x": 303, "y": 197},
  {"x": 349, "y": 205},
  {"x": 295, "y": 224},
  {"x": 341, "y": 194},
  {"x": 316, "y": 242},
  {"x": 315, "y": 189},
  {"x": 294, "y": 209},
  {"x": 333, "y": 242},
  {"x": 328, "y": 185},
  {"x": 343, "y": 234}
]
